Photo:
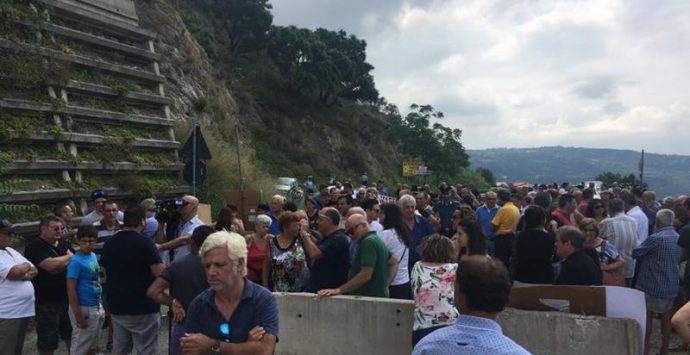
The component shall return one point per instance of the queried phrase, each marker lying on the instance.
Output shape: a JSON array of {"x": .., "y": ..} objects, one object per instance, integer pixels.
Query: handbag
[{"x": 612, "y": 277}]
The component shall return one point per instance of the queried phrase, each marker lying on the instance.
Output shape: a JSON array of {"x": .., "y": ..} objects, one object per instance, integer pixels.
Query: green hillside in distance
[{"x": 665, "y": 174}]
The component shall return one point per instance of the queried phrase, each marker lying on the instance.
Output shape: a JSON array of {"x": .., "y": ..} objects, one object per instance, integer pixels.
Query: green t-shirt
[{"x": 371, "y": 252}]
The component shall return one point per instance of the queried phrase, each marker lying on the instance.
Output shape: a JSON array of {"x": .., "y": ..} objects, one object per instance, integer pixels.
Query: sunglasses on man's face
[{"x": 352, "y": 229}]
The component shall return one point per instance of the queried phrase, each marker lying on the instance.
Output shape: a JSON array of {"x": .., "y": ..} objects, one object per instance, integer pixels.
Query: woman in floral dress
[
  {"x": 432, "y": 282},
  {"x": 285, "y": 268}
]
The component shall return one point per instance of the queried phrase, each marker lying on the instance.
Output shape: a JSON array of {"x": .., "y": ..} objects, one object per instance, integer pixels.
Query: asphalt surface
[{"x": 30, "y": 341}]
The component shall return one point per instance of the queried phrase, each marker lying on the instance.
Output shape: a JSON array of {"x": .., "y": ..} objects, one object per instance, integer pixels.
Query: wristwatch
[{"x": 215, "y": 349}]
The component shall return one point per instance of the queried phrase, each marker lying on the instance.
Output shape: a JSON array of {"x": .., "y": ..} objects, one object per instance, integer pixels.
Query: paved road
[{"x": 30, "y": 341}]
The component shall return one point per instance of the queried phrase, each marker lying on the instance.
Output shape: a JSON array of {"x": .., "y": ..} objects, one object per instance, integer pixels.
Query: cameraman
[{"x": 189, "y": 220}]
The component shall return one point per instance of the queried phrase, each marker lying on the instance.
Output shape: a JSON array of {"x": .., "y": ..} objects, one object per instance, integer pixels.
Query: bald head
[
  {"x": 191, "y": 200},
  {"x": 190, "y": 208},
  {"x": 357, "y": 226}
]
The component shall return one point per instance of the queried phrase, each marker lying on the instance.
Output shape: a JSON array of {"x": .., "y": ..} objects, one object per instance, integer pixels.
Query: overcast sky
[{"x": 521, "y": 73}]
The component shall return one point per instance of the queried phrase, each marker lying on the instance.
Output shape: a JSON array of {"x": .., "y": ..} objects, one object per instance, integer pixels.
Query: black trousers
[
  {"x": 503, "y": 244},
  {"x": 401, "y": 292}
]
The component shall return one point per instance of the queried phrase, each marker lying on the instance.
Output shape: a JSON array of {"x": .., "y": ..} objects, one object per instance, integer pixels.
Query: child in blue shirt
[{"x": 84, "y": 294}]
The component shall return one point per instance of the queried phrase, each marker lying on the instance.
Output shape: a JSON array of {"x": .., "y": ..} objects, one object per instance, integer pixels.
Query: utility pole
[
  {"x": 641, "y": 168},
  {"x": 194, "y": 155}
]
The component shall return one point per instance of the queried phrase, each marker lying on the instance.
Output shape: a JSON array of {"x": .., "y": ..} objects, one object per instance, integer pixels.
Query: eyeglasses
[
  {"x": 56, "y": 229},
  {"x": 598, "y": 207},
  {"x": 589, "y": 230},
  {"x": 455, "y": 217},
  {"x": 352, "y": 230}
]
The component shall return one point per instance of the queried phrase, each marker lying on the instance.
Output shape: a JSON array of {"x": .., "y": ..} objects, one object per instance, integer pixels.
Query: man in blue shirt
[
  {"x": 418, "y": 226},
  {"x": 482, "y": 287},
  {"x": 444, "y": 210},
  {"x": 234, "y": 315},
  {"x": 276, "y": 205},
  {"x": 485, "y": 213},
  {"x": 659, "y": 258}
]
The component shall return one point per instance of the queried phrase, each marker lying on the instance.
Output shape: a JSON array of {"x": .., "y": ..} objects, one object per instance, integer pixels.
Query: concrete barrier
[
  {"x": 310, "y": 324},
  {"x": 565, "y": 333},
  {"x": 361, "y": 325}
]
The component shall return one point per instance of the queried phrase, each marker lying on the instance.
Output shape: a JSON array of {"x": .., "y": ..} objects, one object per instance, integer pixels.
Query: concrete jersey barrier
[{"x": 348, "y": 325}]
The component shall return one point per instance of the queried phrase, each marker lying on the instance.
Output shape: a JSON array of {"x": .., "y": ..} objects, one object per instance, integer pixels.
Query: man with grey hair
[
  {"x": 234, "y": 315},
  {"x": 659, "y": 257},
  {"x": 418, "y": 226},
  {"x": 577, "y": 268},
  {"x": 276, "y": 205},
  {"x": 620, "y": 230},
  {"x": 151, "y": 222},
  {"x": 485, "y": 213}
]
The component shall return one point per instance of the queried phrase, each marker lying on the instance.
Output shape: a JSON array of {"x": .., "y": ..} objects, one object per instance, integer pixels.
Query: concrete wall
[
  {"x": 360, "y": 325},
  {"x": 310, "y": 324},
  {"x": 564, "y": 333}
]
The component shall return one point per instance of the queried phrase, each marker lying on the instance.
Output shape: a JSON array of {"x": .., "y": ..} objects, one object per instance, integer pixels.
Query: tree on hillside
[
  {"x": 487, "y": 174},
  {"x": 608, "y": 178},
  {"x": 437, "y": 145},
  {"x": 326, "y": 63},
  {"x": 246, "y": 22}
]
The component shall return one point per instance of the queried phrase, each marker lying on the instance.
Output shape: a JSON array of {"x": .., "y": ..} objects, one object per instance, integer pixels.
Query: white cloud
[{"x": 599, "y": 73}]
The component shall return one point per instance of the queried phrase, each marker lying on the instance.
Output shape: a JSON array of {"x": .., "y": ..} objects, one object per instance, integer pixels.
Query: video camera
[{"x": 167, "y": 210}]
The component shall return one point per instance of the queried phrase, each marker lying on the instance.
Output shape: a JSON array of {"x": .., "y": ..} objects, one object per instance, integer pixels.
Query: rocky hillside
[{"x": 283, "y": 133}]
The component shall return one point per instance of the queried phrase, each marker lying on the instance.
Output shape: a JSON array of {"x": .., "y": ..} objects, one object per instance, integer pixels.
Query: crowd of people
[{"x": 453, "y": 251}]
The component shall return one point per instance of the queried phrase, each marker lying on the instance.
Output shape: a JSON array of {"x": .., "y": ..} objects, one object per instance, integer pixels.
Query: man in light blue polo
[{"x": 482, "y": 287}]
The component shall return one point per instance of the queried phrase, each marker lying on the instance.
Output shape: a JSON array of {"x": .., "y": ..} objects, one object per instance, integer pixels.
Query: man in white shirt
[
  {"x": 16, "y": 293},
  {"x": 621, "y": 230},
  {"x": 189, "y": 220},
  {"x": 634, "y": 211},
  {"x": 372, "y": 208}
]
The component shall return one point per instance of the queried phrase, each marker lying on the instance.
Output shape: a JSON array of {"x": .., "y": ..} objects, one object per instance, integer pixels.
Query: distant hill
[{"x": 665, "y": 174}]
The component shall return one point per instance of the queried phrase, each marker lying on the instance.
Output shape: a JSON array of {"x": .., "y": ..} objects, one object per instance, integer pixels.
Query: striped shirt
[{"x": 621, "y": 231}]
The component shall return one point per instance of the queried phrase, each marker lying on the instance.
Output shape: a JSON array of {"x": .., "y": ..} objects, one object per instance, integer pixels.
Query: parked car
[{"x": 289, "y": 187}]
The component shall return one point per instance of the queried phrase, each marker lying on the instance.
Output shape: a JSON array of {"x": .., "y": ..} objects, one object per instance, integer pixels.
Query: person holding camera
[{"x": 187, "y": 208}]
